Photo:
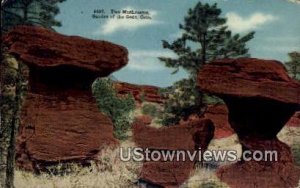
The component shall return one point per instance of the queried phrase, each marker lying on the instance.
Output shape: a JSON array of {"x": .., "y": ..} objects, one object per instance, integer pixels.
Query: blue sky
[{"x": 276, "y": 22}]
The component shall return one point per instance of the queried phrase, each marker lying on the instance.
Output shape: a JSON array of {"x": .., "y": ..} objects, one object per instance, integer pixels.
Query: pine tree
[
  {"x": 13, "y": 76},
  {"x": 293, "y": 65},
  {"x": 205, "y": 37},
  {"x": 29, "y": 12}
]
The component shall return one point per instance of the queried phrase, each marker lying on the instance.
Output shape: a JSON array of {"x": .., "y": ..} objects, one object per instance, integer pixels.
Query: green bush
[
  {"x": 150, "y": 109},
  {"x": 211, "y": 99},
  {"x": 182, "y": 100},
  {"x": 211, "y": 185},
  {"x": 115, "y": 107},
  {"x": 296, "y": 153}
]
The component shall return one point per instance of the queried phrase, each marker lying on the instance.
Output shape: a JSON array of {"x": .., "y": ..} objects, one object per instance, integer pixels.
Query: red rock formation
[
  {"x": 60, "y": 121},
  {"x": 144, "y": 119},
  {"x": 149, "y": 93},
  {"x": 40, "y": 47},
  {"x": 61, "y": 128},
  {"x": 295, "y": 120},
  {"x": 186, "y": 137},
  {"x": 219, "y": 116},
  {"x": 263, "y": 174},
  {"x": 251, "y": 78},
  {"x": 261, "y": 98}
]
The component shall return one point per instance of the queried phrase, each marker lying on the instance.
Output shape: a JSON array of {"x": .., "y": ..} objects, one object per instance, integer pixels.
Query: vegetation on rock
[
  {"x": 150, "y": 109},
  {"x": 293, "y": 65},
  {"x": 296, "y": 153},
  {"x": 119, "y": 109}
]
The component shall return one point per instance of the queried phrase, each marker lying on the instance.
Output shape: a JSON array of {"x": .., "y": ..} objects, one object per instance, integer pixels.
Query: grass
[
  {"x": 204, "y": 178},
  {"x": 109, "y": 171}
]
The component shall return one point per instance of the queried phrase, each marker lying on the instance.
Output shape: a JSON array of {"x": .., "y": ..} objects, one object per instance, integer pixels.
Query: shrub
[
  {"x": 150, "y": 109},
  {"x": 117, "y": 108},
  {"x": 211, "y": 100},
  {"x": 296, "y": 153},
  {"x": 142, "y": 96},
  {"x": 182, "y": 100},
  {"x": 211, "y": 185}
]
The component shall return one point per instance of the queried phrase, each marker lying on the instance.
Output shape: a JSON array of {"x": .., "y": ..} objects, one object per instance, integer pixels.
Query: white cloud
[
  {"x": 147, "y": 60},
  {"x": 113, "y": 25},
  {"x": 294, "y": 1},
  {"x": 236, "y": 23}
]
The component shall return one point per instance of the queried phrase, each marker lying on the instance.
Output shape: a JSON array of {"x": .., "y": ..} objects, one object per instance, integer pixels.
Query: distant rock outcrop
[
  {"x": 141, "y": 93},
  {"x": 261, "y": 98},
  {"x": 189, "y": 136},
  {"x": 60, "y": 121},
  {"x": 219, "y": 115}
]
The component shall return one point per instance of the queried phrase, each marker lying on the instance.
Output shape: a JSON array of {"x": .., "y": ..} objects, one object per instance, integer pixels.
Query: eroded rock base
[{"x": 264, "y": 174}]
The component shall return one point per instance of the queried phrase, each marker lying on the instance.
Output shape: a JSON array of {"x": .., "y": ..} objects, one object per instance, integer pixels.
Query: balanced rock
[
  {"x": 261, "y": 98},
  {"x": 187, "y": 138},
  {"x": 60, "y": 121}
]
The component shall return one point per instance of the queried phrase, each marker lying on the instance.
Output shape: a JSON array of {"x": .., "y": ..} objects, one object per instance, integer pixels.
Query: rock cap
[
  {"x": 40, "y": 47},
  {"x": 249, "y": 77}
]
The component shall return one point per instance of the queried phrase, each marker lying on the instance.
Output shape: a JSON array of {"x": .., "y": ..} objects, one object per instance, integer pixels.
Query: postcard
[{"x": 150, "y": 94}]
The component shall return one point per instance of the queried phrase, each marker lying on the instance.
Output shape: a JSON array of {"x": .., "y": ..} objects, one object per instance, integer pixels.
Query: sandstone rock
[
  {"x": 139, "y": 92},
  {"x": 219, "y": 115},
  {"x": 60, "y": 121},
  {"x": 263, "y": 174},
  {"x": 193, "y": 135},
  {"x": 39, "y": 47},
  {"x": 261, "y": 98},
  {"x": 144, "y": 119},
  {"x": 295, "y": 120},
  {"x": 61, "y": 128},
  {"x": 250, "y": 77}
]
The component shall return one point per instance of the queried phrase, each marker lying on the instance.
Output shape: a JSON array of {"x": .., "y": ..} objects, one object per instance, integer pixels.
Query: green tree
[
  {"x": 13, "y": 80},
  {"x": 205, "y": 37},
  {"x": 115, "y": 107},
  {"x": 29, "y": 12},
  {"x": 13, "y": 89},
  {"x": 293, "y": 65}
]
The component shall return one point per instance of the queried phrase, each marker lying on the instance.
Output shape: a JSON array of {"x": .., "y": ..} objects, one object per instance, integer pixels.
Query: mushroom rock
[
  {"x": 139, "y": 92},
  {"x": 261, "y": 98},
  {"x": 60, "y": 121},
  {"x": 189, "y": 137}
]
